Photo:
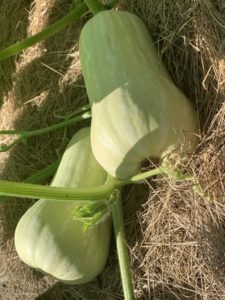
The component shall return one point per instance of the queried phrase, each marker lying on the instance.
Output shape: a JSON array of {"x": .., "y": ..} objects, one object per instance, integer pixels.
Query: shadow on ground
[{"x": 11, "y": 31}]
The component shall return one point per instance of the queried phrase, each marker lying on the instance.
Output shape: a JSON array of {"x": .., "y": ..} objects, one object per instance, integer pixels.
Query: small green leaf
[{"x": 91, "y": 215}]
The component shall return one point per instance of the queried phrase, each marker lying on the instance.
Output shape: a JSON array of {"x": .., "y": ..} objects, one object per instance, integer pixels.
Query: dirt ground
[{"x": 176, "y": 238}]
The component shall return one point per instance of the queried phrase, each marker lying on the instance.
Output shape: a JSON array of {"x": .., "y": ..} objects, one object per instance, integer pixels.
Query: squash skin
[
  {"x": 137, "y": 111},
  {"x": 46, "y": 237}
]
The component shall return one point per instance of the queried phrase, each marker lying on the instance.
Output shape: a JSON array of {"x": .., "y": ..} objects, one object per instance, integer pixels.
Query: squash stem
[
  {"x": 62, "y": 124},
  {"x": 78, "y": 111},
  {"x": 39, "y": 176},
  {"x": 122, "y": 251},
  {"x": 35, "y": 191},
  {"x": 74, "y": 15},
  {"x": 140, "y": 177},
  {"x": 23, "y": 135},
  {"x": 95, "y": 6}
]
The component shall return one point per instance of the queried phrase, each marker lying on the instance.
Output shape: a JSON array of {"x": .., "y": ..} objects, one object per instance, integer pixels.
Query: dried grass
[
  {"x": 176, "y": 238},
  {"x": 181, "y": 252}
]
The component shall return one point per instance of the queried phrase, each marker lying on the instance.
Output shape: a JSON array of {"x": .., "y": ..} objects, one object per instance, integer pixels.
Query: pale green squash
[
  {"x": 137, "y": 111},
  {"x": 48, "y": 239}
]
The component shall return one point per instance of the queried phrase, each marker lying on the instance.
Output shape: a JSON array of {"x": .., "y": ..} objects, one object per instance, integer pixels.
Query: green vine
[
  {"x": 74, "y": 15},
  {"x": 82, "y": 195},
  {"x": 122, "y": 251},
  {"x": 95, "y": 6},
  {"x": 24, "y": 135}
]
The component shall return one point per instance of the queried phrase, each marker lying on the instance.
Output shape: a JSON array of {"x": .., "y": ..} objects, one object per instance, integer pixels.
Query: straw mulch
[{"x": 175, "y": 236}]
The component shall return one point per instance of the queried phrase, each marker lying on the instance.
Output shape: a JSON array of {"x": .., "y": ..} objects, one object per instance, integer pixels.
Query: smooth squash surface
[
  {"x": 137, "y": 111},
  {"x": 46, "y": 237}
]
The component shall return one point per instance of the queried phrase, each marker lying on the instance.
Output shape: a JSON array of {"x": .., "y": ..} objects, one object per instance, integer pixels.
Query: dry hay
[
  {"x": 176, "y": 237},
  {"x": 181, "y": 252}
]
